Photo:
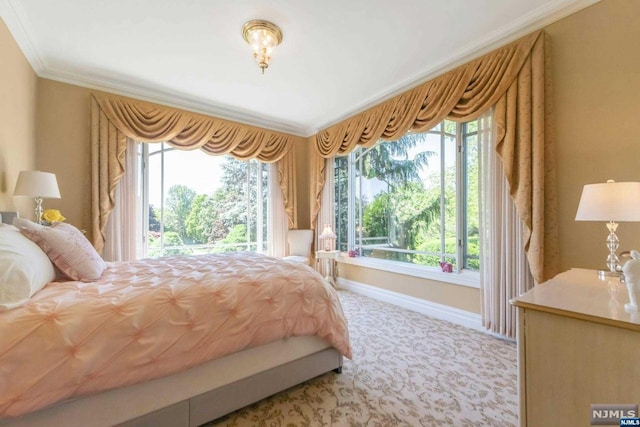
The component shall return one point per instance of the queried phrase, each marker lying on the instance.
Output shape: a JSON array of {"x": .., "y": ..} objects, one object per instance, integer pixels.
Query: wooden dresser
[{"x": 576, "y": 346}]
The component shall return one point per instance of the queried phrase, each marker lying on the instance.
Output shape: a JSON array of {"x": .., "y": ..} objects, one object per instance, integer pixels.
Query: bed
[{"x": 176, "y": 341}]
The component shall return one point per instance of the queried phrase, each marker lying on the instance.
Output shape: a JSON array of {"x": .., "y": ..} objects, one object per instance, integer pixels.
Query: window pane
[
  {"x": 450, "y": 210},
  {"x": 411, "y": 201},
  {"x": 206, "y": 203},
  {"x": 401, "y": 199},
  {"x": 472, "y": 246},
  {"x": 155, "y": 199},
  {"x": 341, "y": 195},
  {"x": 471, "y": 127}
]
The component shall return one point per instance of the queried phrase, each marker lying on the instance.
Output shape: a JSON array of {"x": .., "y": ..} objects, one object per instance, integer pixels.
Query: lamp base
[
  {"x": 605, "y": 274},
  {"x": 38, "y": 210}
]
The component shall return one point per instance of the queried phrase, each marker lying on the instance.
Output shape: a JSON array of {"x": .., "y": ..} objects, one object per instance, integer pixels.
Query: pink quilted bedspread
[{"x": 147, "y": 319}]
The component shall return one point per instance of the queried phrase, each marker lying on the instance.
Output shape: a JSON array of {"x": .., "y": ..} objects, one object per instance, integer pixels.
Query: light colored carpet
[{"x": 407, "y": 370}]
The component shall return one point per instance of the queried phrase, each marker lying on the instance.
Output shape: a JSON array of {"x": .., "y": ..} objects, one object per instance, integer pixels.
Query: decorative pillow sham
[
  {"x": 67, "y": 248},
  {"x": 24, "y": 268}
]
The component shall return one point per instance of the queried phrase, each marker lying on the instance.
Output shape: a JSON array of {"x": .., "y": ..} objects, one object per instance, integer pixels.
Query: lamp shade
[
  {"x": 37, "y": 184},
  {"x": 610, "y": 201},
  {"x": 327, "y": 233}
]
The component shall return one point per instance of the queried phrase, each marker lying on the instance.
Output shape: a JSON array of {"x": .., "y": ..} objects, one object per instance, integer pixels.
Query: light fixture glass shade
[
  {"x": 37, "y": 184},
  {"x": 262, "y": 36},
  {"x": 610, "y": 201}
]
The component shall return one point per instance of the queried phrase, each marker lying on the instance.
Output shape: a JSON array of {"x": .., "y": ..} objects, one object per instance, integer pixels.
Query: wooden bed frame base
[
  {"x": 195, "y": 410},
  {"x": 216, "y": 403}
]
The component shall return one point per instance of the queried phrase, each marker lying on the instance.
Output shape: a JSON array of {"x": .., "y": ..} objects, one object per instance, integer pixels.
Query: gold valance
[
  {"x": 462, "y": 94},
  {"x": 114, "y": 118},
  {"x": 511, "y": 79}
]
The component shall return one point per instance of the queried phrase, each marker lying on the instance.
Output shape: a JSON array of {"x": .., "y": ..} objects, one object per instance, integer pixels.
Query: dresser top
[{"x": 580, "y": 294}]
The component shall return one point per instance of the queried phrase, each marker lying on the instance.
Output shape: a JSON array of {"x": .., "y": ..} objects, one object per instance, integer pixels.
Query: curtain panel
[
  {"x": 505, "y": 272},
  {"x": 114, "y": 118},
  {"x": 287, "y": 179},
  {"x": 122, "y": 233},
  {"x": 512, "y": 79}
]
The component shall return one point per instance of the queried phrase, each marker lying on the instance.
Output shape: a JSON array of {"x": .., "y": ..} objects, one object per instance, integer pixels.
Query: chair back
[{"x": 300, "y": 242}]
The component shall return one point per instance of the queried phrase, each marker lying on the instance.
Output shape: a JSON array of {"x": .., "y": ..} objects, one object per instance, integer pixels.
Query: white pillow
[
  {"x": 24, "y": 268},
  {"x": 66, "y": 247}
]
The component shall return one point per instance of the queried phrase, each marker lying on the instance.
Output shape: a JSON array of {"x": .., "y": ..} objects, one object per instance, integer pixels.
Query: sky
[{"x": 195, "y": 169}]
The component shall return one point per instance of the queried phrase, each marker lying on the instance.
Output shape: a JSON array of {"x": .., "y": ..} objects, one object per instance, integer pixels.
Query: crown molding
[
  {"x": 14, "y": 17},
  {"x": 528, "y": 23},
  {"x": 18, "y": 24},
  {"x": 159, "y": 95}
]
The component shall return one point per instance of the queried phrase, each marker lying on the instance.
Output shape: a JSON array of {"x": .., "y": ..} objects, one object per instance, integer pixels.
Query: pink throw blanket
[{"x": 151, "y": 318}]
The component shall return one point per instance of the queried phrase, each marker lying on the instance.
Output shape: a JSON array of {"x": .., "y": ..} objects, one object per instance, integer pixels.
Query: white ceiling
[{"x": 337, "y": 57}]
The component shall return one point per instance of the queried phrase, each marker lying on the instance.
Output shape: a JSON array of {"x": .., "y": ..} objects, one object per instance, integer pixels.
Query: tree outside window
[
  {"x": 226, "y": 211},
  {"x": 413, "y": 200}
]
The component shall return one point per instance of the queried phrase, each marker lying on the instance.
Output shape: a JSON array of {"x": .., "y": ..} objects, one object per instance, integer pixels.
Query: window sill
[{"x": 466, "y": 278}]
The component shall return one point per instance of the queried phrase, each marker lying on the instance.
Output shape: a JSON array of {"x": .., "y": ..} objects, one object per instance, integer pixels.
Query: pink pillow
[{"x": 67, "y": 248}]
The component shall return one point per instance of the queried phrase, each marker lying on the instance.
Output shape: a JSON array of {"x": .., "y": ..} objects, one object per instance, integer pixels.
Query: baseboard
[{"x": 439, "y": 311}]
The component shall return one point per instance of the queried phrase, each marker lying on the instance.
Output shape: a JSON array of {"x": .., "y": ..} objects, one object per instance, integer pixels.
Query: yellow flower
[{"x": 52, "y": 215}]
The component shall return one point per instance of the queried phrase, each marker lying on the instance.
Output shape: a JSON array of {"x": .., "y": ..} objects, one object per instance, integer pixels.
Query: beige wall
[
  {"x": 18, "y": 89},
  {"x": 302, "y": 186},
  {"x": 458, "y": 296},
  {"x": 596, "y": 69},
  {"x": 64, "y": 147}
]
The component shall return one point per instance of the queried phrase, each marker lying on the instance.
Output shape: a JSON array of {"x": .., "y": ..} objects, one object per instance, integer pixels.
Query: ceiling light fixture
[{"x": 263, "y": 36}]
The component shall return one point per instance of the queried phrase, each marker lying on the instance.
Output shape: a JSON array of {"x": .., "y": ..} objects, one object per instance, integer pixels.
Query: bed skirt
[{"x": 198, "y": 395}]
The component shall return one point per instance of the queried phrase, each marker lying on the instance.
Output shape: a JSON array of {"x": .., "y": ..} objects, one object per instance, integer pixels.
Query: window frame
[
  {"x": 261, "y": 244},
  {"x": 462, "y": 274}
]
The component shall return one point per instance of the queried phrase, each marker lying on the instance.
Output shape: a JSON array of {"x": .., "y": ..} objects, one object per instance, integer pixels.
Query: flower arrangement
[{"x": 52, "y": 215}]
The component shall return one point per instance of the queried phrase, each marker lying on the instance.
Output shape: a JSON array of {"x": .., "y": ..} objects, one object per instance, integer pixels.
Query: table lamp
[
  {"x": 612, "y": 202},
  {"x": 327, "y": 235},
  {"x": 39, "y": 185}
]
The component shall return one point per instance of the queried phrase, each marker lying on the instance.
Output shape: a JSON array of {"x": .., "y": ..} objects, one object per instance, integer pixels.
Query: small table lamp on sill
[
  {"x": 612, "y": 202},
  {"x": 39, "y": 185},
  {"x": 328, "y": 236}
]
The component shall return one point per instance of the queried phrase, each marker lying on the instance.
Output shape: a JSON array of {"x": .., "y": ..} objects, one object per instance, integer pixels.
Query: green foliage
[
  {"x": 200, "y": 220},
  {"x": 375, "y": 218},
  {"x": 154, "y": 224},
  {"x": 389, "y": 162},
  {"x": 238, "y": 234},
  {"x": 221, "y": 217},
  {"x": 433, "y": 245},
  {"x": 414, "y": 209},
  {"x": 473, "y": 248},
  {"x": 179, "y": 200},
  {"x": 171, "y": 238},
  {"x": 402, "y": 215},
  {"x": 341, "y": 196}
]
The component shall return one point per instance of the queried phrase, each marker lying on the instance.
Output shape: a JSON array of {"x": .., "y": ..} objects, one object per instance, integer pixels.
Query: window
[
  {"x": 414, "y": 200},
  {"x": 196, "y": 203}
]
